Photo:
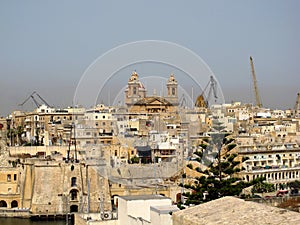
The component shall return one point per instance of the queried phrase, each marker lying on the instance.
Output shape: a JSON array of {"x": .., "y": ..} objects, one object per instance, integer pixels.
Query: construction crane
[
  {"x": 257, "y": 97},
  {"x": 34, "y": 100},
  {"x": 297, "y": 105},
  {"x": 182, "y": 101},
  {"x": 201, "y": 100}
]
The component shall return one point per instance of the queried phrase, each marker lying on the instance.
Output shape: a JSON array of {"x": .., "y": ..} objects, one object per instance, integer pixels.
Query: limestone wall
[
  {"x": 48, "y": 185},
  {"x": 80, "y": 220},
  {"x": 33, "y": 150},
  {"x": 68, "y": 187}
]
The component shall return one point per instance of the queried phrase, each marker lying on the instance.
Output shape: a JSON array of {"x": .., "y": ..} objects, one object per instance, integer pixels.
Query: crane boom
[
  {"x": 257, "y": 98},
  {"x": 202, "y": 101},
  {"x": 34, "y": 100},
  {"x": 297, "y": 105}
]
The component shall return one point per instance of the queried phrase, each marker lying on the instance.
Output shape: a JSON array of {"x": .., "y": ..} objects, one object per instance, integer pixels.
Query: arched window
[
  {"x": 178, "y": 197},
  {"x": 14, "y": 204},
  {"x": 3, "y": 203},
  {"x": 73, "y": 208},
  {"x": 73, "y": 194}
]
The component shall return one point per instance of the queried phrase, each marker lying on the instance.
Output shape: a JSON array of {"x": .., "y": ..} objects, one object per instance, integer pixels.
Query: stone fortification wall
[
  {"x": 60, "y": 187},
  {"x": 48, "y": 190},
  {"x": 33, "y": 150},
  {"x": 159, "y": 170}
]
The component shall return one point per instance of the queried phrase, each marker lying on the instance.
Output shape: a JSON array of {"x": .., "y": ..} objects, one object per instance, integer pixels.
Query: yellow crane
[
  {"x": 202, "y": 100},
  {"x": 257, "y": 97},
  {"x": 297, "y": 105}
]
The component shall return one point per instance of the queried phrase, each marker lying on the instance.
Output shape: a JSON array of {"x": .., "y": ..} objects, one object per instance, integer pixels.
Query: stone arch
[
  {"x": 3, "y": 204},
  {"x": 74, "y": 194},
  {"x": 14, "y": 204},
  {"x": 178, "y": 197},
  {"x": 247, "y": 178},
  {"x": 73, "y": 208}
]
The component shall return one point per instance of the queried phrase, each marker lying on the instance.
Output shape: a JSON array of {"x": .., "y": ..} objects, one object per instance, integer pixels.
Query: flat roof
[
  {"x": 164, "y": 209},
  {"x": 231, "y": 210},
  {"x": 142, "y": 197}
]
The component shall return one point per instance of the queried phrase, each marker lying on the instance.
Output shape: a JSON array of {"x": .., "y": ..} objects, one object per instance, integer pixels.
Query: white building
[{"x": 145, "y": 209}]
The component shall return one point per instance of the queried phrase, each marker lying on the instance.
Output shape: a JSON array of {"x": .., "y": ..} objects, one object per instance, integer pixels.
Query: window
[
  {"x": 15, "y": 177},
  {"x": 73, "y": 194},
  {"x": 73, "y": 182},
  {"x": 116, "y": 152},
  {"x": 134, "y": 90},
  {"x": 8, "y": 177},
  {"x": 173, "y": 91}
]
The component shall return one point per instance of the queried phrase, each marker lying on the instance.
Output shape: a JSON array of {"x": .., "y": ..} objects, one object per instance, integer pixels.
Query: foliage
[
  {"x": 198, "y": 153},
  {"x": 180, "y": 206},
  {"x": 231, "y": 146},
  {"x": 204, "y": 146},
  {"x": 245, "y": 158},
  {"x": 198, "y": 169},
  {"x": 215, "y": 186},
  {"x": 294, "y": 184},
  {"x": 190, "y": 166},
  {"x": 134, "y": 159},
  {"x": 262, "y": 187}
]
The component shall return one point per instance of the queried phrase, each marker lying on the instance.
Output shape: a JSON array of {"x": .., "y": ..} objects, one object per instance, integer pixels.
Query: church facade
[{"x": 137, "y": 100}]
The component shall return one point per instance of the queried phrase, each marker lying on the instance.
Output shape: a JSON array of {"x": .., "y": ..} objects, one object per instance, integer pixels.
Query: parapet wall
[{"x": 33, "y": 150}]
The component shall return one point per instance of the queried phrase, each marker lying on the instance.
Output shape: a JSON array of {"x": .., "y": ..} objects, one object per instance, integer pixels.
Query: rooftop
[
  {"x": 142, "y": 197},
  {"x": 231, "y": 210}
]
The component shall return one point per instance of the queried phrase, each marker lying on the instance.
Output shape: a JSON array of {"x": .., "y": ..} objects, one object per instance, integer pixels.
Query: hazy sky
[{"x": 46, "y": 46}]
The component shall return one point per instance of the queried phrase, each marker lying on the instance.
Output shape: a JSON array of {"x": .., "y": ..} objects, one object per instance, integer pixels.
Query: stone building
[
  {"x": 10, "y": 192},
  {"x": 279, "y": 164},
  {"x": 46, "y": 187},
  {"x": 137, "y": 101}
]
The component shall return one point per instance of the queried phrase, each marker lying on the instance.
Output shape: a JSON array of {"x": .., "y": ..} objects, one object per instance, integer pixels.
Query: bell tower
[
  {"x": 135, "y": 90},
  {"x": 172, "y": 89}
]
